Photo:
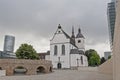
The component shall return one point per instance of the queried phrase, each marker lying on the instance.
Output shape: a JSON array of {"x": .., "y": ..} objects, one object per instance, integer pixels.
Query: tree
[
  {"x": 89, "y": 52},
  {"x": 93, "y": 57},
  {"x": 109, "y": 56},
  {"x": 26, "y": 51},
  {"x": 102, "y": 60}
]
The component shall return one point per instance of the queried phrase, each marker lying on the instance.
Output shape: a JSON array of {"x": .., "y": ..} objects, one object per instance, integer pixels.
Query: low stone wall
[
  {"x": 2, "y": 72},
  {"x": 107, "y": 67},
  {"x": 30, "y": 65}
]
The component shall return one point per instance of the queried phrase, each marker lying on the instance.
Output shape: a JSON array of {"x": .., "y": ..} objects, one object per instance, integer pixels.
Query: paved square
[{"x": 63, "y": 75}]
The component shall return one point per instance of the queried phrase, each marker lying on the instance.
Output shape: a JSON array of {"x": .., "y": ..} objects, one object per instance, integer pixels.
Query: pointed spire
[
  {"x": 79, "y": 30},
  {"x": 73, "y": 36},
  {"x": 59, "y": 26},
  {"x": 72, "y": 30}
]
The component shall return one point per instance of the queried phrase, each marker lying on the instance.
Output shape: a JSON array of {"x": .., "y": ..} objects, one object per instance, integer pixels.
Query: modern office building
[
  {"x": 111, "y": 12},
  {"x": 8, "y": 50},
  {"x": 9, "y": 42}
]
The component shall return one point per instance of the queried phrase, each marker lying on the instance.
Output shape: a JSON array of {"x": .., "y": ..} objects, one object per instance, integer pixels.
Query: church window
[
  {"x": 63, "y": 49},
  {"x": 55, "y": 50},
  {"x": 81, "y": 59},
  {"x": 79, "y": 41}
]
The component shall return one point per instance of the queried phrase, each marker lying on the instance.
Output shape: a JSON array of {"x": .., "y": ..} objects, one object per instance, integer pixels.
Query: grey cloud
[{"x": 40, "y": 18}]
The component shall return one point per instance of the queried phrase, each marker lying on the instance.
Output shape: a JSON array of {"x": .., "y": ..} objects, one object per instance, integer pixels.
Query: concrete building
[
  {"x": 111, "y": 13},
  {"x": 66, "y": 51},
  {"x": 116, "y": 47},
  {"x": 112, "y": 66},
  {"x": 107, "y": 54}
]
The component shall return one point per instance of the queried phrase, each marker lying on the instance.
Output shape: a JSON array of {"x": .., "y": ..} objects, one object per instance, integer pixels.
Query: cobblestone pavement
[{"x": 62, "y": 75}]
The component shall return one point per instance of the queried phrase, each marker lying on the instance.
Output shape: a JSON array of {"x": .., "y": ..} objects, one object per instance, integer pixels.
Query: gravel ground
[{"x": 62, "y": 75}]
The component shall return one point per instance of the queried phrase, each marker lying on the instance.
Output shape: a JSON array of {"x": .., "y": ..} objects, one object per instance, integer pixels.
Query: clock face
[{"x": 79, "y": 41}]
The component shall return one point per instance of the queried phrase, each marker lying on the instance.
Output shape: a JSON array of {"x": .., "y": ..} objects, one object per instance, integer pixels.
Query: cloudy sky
[{"x": 35, "y": 21}]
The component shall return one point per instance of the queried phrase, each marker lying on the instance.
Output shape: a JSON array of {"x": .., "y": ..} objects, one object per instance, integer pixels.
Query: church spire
[
  {"x": 73, "y": 35},
  {"x": 72, "y": 30},
  {"x": 79, "y": 35},
  {"x": 79, "y": 30}
]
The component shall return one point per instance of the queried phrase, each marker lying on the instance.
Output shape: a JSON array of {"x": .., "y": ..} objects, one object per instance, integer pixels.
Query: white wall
[
  {"x": 74, "y": 58},
  {"x": 2, "y": 72},
  {"x": 47, "y": 57},
  {"x": 85, "y": 60},
  {"x": 59, "y": 38},
  {"x": 64, "y": 59},
  {"x": 80, "y": 45}
]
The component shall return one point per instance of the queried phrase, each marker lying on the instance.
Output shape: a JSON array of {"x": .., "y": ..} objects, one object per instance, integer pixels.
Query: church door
[{"x": 59, "y": 65}]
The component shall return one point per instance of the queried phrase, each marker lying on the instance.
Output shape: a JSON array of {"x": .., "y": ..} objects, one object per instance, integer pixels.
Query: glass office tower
[{"x": 111, "y": 13}]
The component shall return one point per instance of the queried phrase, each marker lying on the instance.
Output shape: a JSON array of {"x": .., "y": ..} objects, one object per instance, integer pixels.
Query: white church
[{"x": 65, "y": 51}]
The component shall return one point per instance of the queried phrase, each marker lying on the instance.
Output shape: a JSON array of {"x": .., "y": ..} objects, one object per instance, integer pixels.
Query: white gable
[{"x": 59, "y": 37}]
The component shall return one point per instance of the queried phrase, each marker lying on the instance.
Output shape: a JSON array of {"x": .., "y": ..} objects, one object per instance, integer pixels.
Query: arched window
[
  {"x": 55, "y": 50},
  {"x": 63, "y": 49},
  {"x": 81, "y": 59}
]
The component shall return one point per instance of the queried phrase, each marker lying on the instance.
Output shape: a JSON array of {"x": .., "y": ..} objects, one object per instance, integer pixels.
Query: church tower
[
  {"x": 80, "y": 40},
  {"x": 73, "y": 35}
]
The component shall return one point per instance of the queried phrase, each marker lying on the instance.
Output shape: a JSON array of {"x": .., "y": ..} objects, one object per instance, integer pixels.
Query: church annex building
[{"x": 66, "y": 51}]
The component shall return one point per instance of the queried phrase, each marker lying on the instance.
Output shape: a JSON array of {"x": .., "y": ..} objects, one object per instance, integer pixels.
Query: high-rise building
[
  {"x": 111, "y": 12},
  {"x": 9, "y": 42}
]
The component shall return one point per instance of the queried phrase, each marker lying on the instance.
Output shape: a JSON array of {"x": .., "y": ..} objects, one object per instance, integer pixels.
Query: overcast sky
[{"x": 35, "y": 21}]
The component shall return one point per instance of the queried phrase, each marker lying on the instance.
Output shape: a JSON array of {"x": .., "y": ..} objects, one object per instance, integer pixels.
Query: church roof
[
  {"x": 72, "y": 41},
  {"x": 76, "y": 51},
  {"x": 79, "y": 35}
]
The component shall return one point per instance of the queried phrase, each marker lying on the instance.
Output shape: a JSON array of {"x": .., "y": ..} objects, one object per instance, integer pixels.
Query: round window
[{"x": 79, "y": 41}]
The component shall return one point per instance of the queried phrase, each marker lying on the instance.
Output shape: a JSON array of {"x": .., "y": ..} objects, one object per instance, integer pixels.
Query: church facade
[{"x": 67, "y": 51}]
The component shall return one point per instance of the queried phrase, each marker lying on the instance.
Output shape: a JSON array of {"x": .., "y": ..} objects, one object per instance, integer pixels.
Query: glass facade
[{"x": 111, "y": 12}]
